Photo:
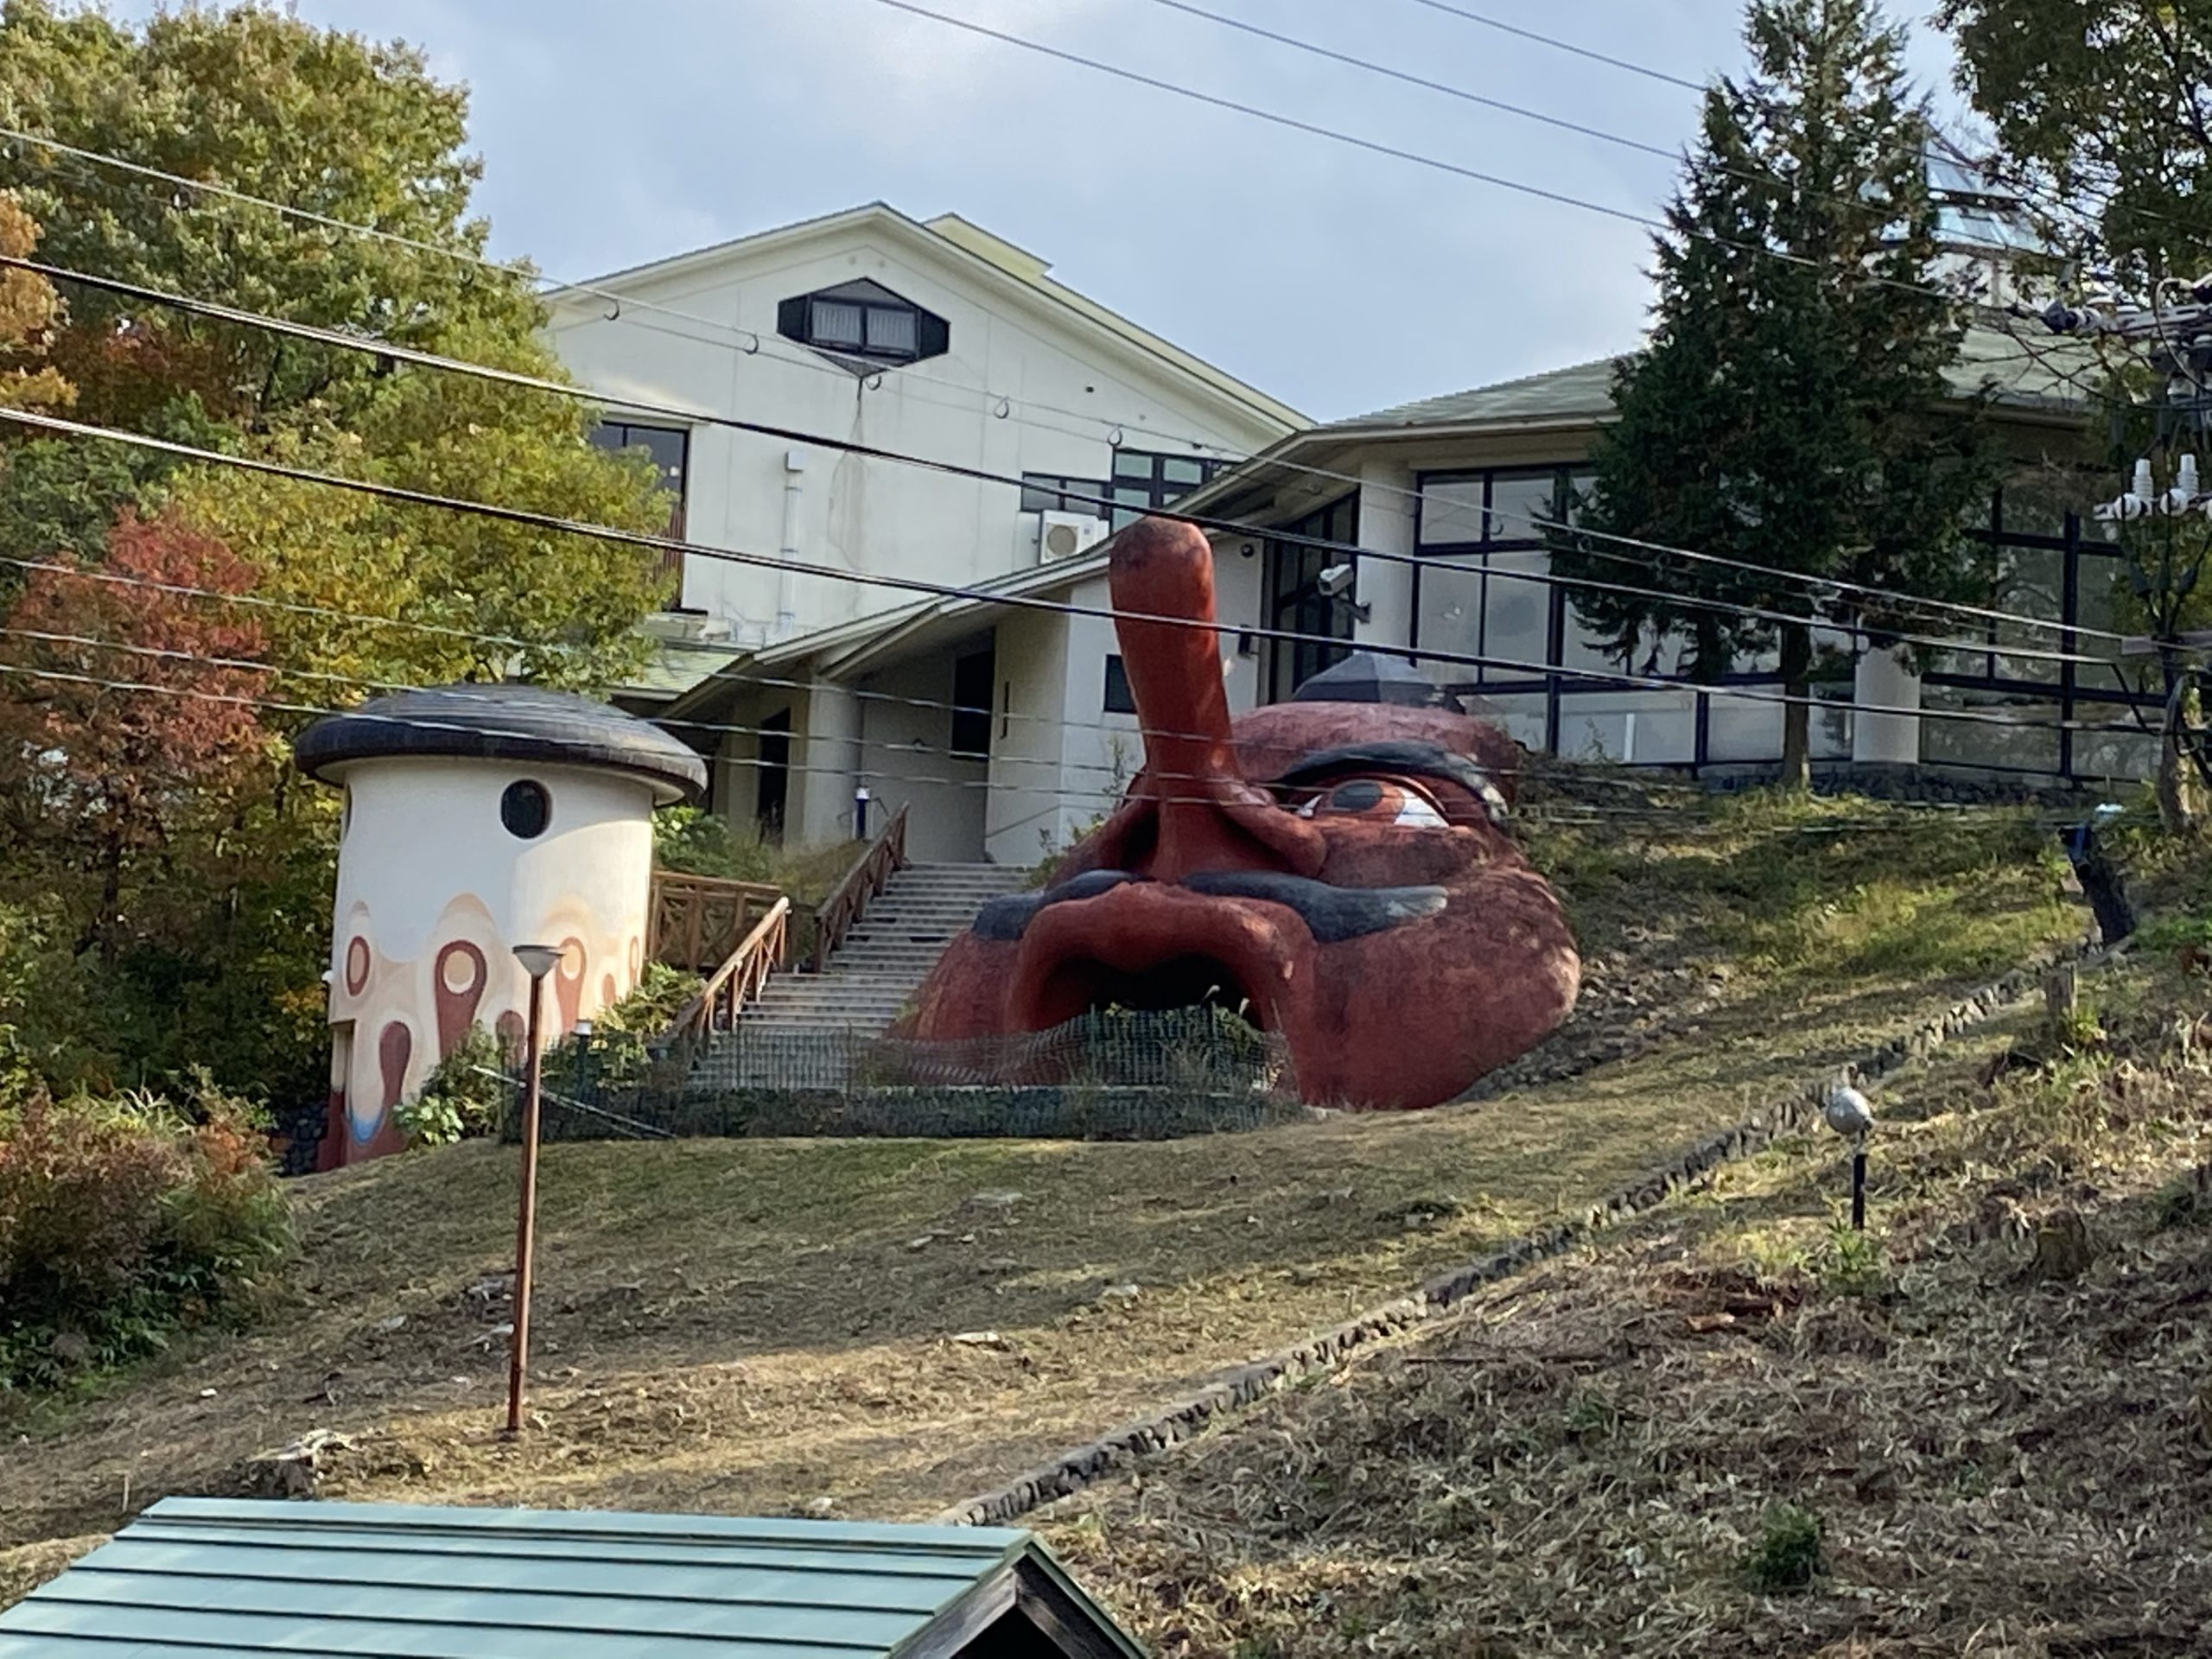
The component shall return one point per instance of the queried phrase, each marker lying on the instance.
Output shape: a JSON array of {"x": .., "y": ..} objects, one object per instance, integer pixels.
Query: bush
[
  {"x": 122, "y": 1220},
  {"x": 464, "y": 1099},
  {"x": 1788, "y": 1554}
]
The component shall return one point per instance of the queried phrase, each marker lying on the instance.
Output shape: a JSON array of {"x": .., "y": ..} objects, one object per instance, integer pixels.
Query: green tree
[
  {"x": 2105, "y": 105},
  {"x": 208, "y": 944},
  {"x": 2105, "y": 108},
  {"x": 1785, "y": 413}
]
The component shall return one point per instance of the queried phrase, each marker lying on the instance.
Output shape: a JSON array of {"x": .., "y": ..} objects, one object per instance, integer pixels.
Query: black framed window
[
  {"x": 1120, "y": 700},
  {"x": 670, "y": 447},
  {"x": 1051, "y": 492},
  {"x": 972, "y": 677},
  {"x": 1296, "y": 603},
  {"x": 866, "y": 323},
  {"x": 1483, "y": 592},
  {"x": 1146, "y": 480}
]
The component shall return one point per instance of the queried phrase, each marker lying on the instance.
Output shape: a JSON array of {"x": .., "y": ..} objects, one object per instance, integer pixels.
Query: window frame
[{"x": 1150, "y": 489}]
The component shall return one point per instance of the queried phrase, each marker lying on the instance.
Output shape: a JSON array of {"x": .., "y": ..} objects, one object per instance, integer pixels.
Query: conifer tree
[{"x": 1784, "y": 413}]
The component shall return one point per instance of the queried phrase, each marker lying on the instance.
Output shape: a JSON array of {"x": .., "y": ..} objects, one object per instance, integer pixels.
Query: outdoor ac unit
[{"x": 1064, "y": 535}]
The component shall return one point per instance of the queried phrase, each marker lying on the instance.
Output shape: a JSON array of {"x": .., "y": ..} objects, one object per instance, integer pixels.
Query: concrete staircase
[{"x": 792, "y": 1036}]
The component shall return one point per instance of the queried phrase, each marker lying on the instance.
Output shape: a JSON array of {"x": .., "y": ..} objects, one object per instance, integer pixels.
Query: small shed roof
[
  {"x": 503, "y": 723},
  {"x": 193, "y": 1577}
]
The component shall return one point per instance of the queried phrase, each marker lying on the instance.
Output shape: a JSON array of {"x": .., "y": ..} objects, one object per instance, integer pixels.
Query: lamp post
[
  {"x": 537, "y": 961},
  {"x": 1850, "y": 1115}
]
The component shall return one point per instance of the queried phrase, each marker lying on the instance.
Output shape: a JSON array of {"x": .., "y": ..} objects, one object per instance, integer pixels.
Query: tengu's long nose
[{"x": 1208, "y": 818}]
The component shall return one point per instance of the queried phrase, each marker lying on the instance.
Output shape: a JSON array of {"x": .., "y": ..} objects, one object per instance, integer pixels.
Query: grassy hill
[
  {"x": 1984, "y": 1426},
  {"x": 882, "y": 1328}
]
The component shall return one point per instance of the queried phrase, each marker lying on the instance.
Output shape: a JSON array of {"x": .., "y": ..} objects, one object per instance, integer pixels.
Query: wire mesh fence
[{"x": 1109, "y": 1075}]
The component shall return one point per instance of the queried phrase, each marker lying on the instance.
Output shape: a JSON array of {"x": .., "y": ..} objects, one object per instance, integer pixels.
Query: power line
[
  {"x": 1337, "y": 134},
  {"x": 1276, "y": 118},
  {"x": 1503, "y": 28},
  {"x": 1829, "y": 585},
  {"x": 393, "y": 351},
  {"x": 1406, "y": 78},
  {"x": 423, "y": 722},
  {"x": 1024, "y": 601},
  {"x": 748, "y": 680}
]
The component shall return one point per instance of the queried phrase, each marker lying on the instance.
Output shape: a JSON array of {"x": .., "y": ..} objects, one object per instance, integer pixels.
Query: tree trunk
[
  {"x": 2177, "y": 805},
  {"x": 1797, "y": 713}
]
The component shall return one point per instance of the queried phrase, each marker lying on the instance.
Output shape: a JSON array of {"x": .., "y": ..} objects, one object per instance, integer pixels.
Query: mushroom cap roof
[{"x": 524, "y": 724}]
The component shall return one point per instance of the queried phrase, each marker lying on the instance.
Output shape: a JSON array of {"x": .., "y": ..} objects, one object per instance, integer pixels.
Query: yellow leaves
[{"x": 28, "y": 311}]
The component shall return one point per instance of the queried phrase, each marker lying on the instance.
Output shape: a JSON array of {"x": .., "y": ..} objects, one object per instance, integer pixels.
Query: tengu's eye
[{"x": 1375, "y": 800}]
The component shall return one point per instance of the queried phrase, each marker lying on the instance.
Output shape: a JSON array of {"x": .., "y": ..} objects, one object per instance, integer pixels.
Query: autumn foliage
[
  {"x": 129, "y": 706},
  {"x": 122, "y": 1220}
]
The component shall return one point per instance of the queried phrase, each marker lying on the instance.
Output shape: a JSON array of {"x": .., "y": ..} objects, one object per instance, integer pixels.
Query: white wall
[
  {"x": 1027, "y": 811},
  {"x": 869, "y": 516},
  {"x": 424, "y": 864},
  {"x": 906, "y": 760}
]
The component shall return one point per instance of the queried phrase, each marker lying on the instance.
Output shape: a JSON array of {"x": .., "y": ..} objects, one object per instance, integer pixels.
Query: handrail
[
  {"x": 739, "y": 981},
  {"x": 692, "y": 918},
  {"x": 886, "y": 855}
]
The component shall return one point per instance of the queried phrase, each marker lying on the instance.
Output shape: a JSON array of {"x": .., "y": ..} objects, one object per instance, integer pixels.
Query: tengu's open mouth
[{"x": 1086, "y": 985}]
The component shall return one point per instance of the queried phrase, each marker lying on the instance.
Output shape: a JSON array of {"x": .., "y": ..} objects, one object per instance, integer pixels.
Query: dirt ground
[
  {"x": 1984, "y": 1427},
  {"x": 883, "y": 1328}
]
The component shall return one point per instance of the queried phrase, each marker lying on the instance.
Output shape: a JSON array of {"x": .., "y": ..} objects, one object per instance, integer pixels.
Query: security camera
[{"x": 1335, "y": 582}]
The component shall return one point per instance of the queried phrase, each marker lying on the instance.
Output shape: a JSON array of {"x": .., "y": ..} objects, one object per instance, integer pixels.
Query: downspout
[{"x": 786, "y": 584}]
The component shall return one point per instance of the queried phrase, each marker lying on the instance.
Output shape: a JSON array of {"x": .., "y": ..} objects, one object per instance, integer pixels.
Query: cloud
[{"x": 1338, "y": 280}]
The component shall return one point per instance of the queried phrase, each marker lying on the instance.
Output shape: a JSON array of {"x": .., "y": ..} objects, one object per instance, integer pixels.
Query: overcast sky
[{"x": 1339, "y": 280}]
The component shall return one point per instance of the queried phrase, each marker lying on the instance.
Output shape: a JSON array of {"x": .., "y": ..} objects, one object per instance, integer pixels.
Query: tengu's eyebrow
[{"x": 1412, "y": 758}]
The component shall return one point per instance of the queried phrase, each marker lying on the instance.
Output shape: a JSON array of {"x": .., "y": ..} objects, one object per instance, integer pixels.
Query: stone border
[{"x": 1072, "y": 1471}]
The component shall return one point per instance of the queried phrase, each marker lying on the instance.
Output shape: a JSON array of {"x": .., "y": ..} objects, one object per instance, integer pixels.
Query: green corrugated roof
[{"x": 200, "y": 1576}]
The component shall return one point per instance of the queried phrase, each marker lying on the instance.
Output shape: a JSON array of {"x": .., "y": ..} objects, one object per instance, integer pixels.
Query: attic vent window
[{"x": 864, "y": 325}]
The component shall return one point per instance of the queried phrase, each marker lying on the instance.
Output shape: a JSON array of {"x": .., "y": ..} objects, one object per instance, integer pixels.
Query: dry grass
[
  {"x": 765, "y": 1326},
  {"x": 1596, "y": 1457}
]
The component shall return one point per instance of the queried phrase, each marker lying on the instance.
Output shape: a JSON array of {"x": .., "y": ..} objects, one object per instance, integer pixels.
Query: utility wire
[
  {"x": 426, "y": 722},
  {"x": 1023, "y": 602},
  {"x": 1005, "y": 404},
  {"x": 1419, "y": 158},
  {"x": 373, "y": 346},
  {"x": 1405, "y": 77},
  {"x": 1503, "y": 28},
  {"x": 752, "y": 680}
]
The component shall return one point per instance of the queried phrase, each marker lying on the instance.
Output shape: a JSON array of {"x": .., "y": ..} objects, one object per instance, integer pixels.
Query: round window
[{"x": 525, "y": 809}]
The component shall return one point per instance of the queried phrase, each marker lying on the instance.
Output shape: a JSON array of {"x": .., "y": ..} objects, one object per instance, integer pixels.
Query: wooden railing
[
  {"x": 697, "y": 921},
  {"x": 739, "y": 981},
  {"x": 886, "y": 855}
]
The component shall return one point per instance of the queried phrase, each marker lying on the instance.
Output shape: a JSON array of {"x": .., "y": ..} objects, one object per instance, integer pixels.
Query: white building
[
  {"x": 1005, "y": 725},
  {"x": 936, "y": 340}
]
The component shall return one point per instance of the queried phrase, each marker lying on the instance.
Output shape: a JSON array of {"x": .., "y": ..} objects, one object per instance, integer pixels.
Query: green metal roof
[
  {"x": 195, "y": 1577},
  {"x": 2021, "y": 367}
]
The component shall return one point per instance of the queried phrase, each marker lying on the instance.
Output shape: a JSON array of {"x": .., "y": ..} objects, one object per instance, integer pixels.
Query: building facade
[{"x": 935, "y": 340}]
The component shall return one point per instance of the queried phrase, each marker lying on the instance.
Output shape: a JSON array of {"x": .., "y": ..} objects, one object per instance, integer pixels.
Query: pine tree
[{"x": 1784, "y": 414}]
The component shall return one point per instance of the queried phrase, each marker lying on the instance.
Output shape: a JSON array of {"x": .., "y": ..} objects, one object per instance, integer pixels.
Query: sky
[{"x": 1337, "y": 280}]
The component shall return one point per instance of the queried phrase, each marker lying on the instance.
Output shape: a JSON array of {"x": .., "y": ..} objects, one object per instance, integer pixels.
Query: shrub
[
  {"x": 124, "y": 1218},
  {"x": 1788, "y": 1554},
  {"x": 465, "y": 1098}
]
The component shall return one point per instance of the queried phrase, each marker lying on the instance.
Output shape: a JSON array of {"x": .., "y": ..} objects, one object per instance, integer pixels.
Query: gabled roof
[
  {"x": 199, "y": 1578},
  {"x": 989, "y": 257}
]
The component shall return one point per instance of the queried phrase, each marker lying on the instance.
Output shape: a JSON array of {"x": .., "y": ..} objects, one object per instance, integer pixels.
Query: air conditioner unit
[{"x": 1064, "y": 535}]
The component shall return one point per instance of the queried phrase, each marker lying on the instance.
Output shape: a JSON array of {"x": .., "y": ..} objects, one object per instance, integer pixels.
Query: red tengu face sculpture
[{"x": 1341, "y": 867}]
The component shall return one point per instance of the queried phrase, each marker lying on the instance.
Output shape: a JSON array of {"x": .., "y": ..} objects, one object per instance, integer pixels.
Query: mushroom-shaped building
[{"x": 476, "y": 818}]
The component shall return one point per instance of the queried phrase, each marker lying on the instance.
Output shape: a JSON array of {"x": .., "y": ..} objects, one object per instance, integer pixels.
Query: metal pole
[
  {"x": 1859, "y": 1188},
  {"x": 526, "y": 1216}
]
